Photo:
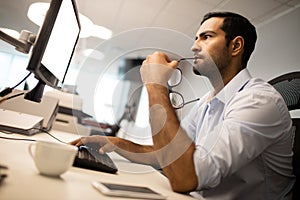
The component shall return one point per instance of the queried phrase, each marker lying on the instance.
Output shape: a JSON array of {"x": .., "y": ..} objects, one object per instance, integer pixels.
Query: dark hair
[{"x": 236, "y": 25}]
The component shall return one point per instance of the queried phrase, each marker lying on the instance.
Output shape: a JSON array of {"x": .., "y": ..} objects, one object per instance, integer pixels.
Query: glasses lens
[
  {"x": 176, "y": 100},
  {"x": 175, "y": 78}
]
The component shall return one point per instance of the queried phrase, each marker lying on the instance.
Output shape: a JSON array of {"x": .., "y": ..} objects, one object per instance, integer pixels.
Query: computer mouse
[
  {"x": 89, "y": 147},
  {"x": 82, "y": 147}
]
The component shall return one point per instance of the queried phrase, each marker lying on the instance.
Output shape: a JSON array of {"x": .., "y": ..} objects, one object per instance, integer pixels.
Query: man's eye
[
  {"x": 196, "y": 38},
  {"x": 206, "y": 36}
]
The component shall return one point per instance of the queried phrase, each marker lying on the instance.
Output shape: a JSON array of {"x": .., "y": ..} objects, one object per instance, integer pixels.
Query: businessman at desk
[{"x": 236, "y": 141}]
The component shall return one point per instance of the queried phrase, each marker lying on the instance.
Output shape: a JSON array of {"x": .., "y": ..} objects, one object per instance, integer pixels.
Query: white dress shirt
[{"x": 243, "y": 139}]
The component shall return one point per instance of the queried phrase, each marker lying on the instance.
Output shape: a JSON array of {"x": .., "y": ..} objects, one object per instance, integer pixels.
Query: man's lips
[{"x": 196, "y": 58}]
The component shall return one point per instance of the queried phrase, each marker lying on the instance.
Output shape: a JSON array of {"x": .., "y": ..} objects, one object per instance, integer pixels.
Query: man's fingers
[
  {"x": 105, "y": 144},
  {"x": 94, "y": 139},
  {"x": 108, "y": 147},
  {"x": 86, "y": 140},
  {"x": 76, "y": 142},
  {"x": 173, "y": 64}
]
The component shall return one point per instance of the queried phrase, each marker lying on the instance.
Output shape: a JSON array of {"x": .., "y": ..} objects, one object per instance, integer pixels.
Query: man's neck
[{"x": 219, "y": 83}]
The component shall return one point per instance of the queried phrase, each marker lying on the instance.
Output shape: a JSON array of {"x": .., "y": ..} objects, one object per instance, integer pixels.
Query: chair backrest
[
  {"x": 288, "y": 85},
  {"x": 296, "y": 158}
]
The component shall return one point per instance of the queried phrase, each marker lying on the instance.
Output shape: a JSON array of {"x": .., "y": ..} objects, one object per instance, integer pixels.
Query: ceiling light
[
  {"x": 37, "y": 11},
  {"x": 92, "y": 53},
  {"x": 100, "y": 31},
  {"x": 86, "y": 26}
]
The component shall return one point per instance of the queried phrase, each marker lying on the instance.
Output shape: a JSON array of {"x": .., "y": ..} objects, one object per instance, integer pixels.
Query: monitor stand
[{"x": 36, "y": 93}]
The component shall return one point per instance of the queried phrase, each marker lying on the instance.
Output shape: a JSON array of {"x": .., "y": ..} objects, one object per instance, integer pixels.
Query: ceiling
[{"x": 182, "y": 16}]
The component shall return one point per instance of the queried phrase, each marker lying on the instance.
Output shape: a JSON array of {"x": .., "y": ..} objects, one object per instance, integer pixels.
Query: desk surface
[{"x": 24, "y": 181}]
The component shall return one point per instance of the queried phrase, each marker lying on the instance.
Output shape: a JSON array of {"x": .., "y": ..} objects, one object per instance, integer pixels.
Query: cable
[
  {"x": 44, "y": 131},
  {"x": 32, "y": 140},
  {"x": 8, "y": 90},
  {"x": 22, "y": 80},
  {"x": 24, "y": 139},
  {"x": 11, "y": 97}
]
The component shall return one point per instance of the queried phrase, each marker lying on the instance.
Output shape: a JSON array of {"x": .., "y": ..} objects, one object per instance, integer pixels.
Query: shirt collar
[{"x": 233, "y": 86}]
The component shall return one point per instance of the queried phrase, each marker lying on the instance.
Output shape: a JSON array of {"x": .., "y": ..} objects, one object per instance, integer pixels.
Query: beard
[{"x": 212, "y": 67}]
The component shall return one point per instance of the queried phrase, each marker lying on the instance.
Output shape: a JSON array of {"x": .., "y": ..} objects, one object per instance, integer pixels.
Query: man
[{"x": 236, "y": 141}]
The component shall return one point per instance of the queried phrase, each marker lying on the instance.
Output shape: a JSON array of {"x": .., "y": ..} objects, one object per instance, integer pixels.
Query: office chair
[{"x": 288, "y": 85}]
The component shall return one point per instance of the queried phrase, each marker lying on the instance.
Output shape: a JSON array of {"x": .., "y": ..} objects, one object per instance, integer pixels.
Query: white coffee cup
[{"x": 52, "y": 159}]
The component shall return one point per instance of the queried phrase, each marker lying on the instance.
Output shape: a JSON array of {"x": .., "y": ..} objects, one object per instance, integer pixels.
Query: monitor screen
[{"x": 55, "y": 43}]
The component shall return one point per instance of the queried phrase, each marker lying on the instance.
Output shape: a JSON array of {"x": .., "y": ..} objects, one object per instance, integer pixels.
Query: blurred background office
[{"x": 118, "y": 34}]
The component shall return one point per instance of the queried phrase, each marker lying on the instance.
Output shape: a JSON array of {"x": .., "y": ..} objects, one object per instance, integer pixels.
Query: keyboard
[{"x": 89, "y": 158}]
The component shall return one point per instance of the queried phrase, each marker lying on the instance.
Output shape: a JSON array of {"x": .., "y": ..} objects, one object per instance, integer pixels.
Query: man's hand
[
  {"x": 132, "y": 151},
  {"x": 157, "y": 69},
  {"x": 107, "y": 144}
]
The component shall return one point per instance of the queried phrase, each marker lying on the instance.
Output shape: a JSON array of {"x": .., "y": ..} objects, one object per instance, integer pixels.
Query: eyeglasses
[{"x": 176, "y": 98}]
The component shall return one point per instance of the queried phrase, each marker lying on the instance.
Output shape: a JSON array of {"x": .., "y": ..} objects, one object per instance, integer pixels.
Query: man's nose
[{"x": 195, "y": 47}]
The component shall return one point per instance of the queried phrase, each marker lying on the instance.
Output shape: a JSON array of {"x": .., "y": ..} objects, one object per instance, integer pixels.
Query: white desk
[{"x": 24, "y": 182}]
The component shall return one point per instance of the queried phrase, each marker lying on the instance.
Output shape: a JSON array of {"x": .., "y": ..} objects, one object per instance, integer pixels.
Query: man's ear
[{"x": 237, "y": 45}]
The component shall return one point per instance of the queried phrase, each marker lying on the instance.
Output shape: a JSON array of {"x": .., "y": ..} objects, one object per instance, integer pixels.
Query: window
[{"x": 13, "y": 70}]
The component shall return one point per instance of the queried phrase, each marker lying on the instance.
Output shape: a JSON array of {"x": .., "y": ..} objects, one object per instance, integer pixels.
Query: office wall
[
  {"x": 277, "y": 50},
  {"x": 278, "y": 47}
]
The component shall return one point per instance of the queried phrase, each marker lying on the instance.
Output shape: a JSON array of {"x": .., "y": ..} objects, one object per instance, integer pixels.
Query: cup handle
[{"x": 30, "y": 150}]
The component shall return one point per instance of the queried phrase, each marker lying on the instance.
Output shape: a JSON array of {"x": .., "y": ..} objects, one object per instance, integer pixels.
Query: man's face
[{"x": 210, "y": 50}]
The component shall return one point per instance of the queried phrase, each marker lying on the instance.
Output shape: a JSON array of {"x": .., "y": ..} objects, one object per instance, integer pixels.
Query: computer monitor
[{"x": 54, "y": 47}]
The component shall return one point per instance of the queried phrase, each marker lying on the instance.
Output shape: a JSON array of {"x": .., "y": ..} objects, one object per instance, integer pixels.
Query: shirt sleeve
[{"x": 253, "y": 120}]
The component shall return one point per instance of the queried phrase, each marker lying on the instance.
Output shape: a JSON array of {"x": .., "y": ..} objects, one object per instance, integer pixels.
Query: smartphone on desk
[{"x": 129, "y": 191}]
